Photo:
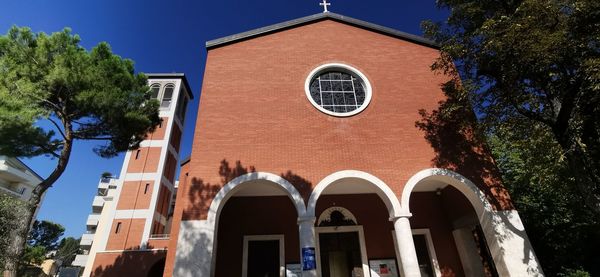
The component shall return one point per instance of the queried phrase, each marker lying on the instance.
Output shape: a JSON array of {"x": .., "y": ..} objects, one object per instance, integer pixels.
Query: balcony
[
  {"x": 80, "y": 260},
  {"x": 98, "y": 201},
  {"x": 93, "y": 220},
  {"x": 159, "y": 241},
  {"x": 86, "y": 240},
  {"x": 18, "y": 192},
  {"x": 12, "y": 173}
]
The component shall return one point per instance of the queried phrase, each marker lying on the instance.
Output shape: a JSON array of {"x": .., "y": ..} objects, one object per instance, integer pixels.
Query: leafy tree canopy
[
  {"x": 33, "y": 255},
  {"x": 530, "y": 61},
  {"x": 46, "y": 234},
  {"x": 68, "y": 248},
  {"x": 79, "y": 94},
  {"x": 86, "y": 95},
  {"x": 564, "y": 233}
]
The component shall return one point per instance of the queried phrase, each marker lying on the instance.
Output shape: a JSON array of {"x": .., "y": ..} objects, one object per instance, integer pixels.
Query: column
[
  {"x": 409, "y": 265},
  {"x": 468, "y": 251},
  {"x": 306, "y": 227}
]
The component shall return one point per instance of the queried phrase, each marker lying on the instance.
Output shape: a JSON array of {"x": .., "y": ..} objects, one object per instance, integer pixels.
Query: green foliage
[
  {"x": 87, "y": 95},
  {"x": 531, "y": 71},
  {"x": 574, "y": 273},
  {"x": 53, "y": 92},
  {"x": 45, "y": 234},
  {"x": 10, "y": 210},
  {"x": 536, "y": 61},
  {"x": 34, "y": 255},
  {"x": 67, "y": 250},
  {"x": 564, "y": 233}
]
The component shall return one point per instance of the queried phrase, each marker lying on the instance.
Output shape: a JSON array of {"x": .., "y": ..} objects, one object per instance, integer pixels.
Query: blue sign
[{"x": 309, "y": 260}]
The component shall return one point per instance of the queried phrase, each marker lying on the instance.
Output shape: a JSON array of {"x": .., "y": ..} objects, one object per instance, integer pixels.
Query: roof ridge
[{"x": 316, "y": 17}]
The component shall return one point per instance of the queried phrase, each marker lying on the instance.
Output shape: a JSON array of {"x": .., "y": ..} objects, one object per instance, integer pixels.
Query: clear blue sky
[{"x": 168, "y": 36}]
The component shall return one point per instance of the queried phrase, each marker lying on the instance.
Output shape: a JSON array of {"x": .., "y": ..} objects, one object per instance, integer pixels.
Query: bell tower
[{"x": 138, "y": 219}]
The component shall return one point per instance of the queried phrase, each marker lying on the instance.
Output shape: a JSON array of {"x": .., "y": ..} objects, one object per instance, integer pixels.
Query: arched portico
[
  {"x": 193, "y": 260},
  {"x": 353, "y": 182},
  {"x": 503, "y": 230},
  {"x": 241, "y": 182},
  {"x": 375, "y": 185}
]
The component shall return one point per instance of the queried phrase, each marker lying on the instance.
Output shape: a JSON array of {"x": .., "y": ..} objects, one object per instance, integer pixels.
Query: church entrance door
[{"x": 341, "y": 251}]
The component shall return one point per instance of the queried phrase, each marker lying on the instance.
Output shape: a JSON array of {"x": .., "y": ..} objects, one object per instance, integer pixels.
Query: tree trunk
[
  {"x": 588, "y": 182},
  {"x": 582, "y": 166},
  {"x": 34, "y": 202}
]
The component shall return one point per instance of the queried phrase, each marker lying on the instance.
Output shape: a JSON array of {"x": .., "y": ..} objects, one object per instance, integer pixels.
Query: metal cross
[{"x": 325, "y": 4}]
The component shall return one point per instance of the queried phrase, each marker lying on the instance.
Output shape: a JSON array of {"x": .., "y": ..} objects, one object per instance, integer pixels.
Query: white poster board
[{"x": 383, "y": 268}]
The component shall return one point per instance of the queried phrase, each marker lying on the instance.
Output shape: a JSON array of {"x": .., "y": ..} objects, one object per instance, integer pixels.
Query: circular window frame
[{"x": 340, "y": 67}]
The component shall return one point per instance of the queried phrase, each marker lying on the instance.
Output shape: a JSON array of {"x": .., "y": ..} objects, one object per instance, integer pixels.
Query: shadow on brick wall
[
  {"x": 450, "y": 130},
  {"x": 131, "y": 263}
]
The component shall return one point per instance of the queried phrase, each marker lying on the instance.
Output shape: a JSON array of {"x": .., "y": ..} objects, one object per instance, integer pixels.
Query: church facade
[
  {"x": 318, "y": 151},
  {"x": 312, "y": 155}
]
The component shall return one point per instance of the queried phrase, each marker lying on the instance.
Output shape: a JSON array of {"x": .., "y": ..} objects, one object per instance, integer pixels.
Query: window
[
  {"x": 146, "y": 188},
  {"x": 137, "y": 154},
  {"x": 154, "y": 90},
  {"x": 338, "y": 90},
  {"x": 164, "y": 94},
  {"x": 118, "y": 228},
  {"x": 167, "y": 96}
]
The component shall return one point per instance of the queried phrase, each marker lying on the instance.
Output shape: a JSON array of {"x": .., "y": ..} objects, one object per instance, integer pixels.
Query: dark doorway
[
  {"x": 263, "y": 258},
  {"x": 423, "y": 255},
  {"x": 157, "y": 269},
  {"x": 340, "y": 254}
]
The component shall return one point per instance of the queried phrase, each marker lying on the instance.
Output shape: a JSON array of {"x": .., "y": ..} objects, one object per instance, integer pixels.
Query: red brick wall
[
  {"x": 135, "y": 196},
  {"x": 254, "y": 110},
  {"x": 147, "y": 160},
  {"x": 170, "y": 167},
  {"x": 159, "y": 132},
  {"x": 130, "y": 263},
  {"x": 129, "y": 235},
  {"x": 183, "y": 182},
  {"x": 162, "y": 203},
  {"x": 175, "y": 137}
]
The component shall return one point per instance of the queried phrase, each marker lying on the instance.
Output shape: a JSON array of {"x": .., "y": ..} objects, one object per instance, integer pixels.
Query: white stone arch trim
[
  {"x": 210, "y": 226},
  {"x": 476, "y": 197},
  {"x": 381, "y": 188},
  {"x": 503, "y": 229},
  {"x": 238, "y": 183}
]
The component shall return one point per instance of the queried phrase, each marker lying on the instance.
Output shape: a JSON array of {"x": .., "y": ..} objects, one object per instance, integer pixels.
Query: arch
[
  {"x": 230, "y": 189},
  {"x": 385, "y": 193},
  {"x": 154, "y": 90},
  {"x": 238, "y": 183},
  {"x": 475, "y": 196},
  {"x": 503, "y": 229}
]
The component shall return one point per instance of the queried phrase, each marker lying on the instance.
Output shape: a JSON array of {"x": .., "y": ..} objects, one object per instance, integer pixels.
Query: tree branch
[
  {"x": 57, "y": 127},
  {"x": 92, "y": 138}
]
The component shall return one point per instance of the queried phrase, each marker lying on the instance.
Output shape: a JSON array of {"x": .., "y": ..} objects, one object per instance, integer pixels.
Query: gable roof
[{"x": 315, "y": 18}]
